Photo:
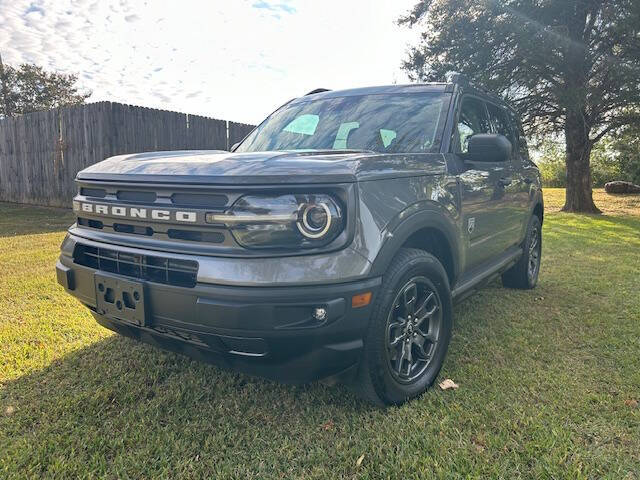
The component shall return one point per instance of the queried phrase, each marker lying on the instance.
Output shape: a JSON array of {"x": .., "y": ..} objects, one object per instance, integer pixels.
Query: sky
[{"x": 235, "y": 60}]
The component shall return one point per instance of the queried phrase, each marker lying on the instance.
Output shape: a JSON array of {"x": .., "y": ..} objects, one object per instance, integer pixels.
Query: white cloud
[{"x": 234, "y": 60}]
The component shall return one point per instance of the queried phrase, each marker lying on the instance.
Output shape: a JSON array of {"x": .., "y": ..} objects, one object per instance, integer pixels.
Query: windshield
[{"x": 388, "y": 123}]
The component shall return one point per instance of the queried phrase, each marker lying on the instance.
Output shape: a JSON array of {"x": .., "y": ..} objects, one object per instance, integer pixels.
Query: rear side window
[
  {"x": 523, "y": 149},
  {"x": 501, "y": 123},
  {"x": 472, "y": 121}
]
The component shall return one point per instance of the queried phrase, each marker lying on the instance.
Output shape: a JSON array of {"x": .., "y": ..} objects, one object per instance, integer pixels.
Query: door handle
[{"x": 505, "y": 182}]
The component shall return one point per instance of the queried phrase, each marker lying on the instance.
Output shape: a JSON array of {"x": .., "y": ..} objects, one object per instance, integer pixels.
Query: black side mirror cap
[
  {"x": 234, "y": 146},
  {"x": 488, "y": 147}
]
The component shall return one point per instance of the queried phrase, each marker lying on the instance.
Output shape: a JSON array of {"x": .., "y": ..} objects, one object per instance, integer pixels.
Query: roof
[
  {"x": 377, "y": 90},
  {"x": 434, "y": 87}
]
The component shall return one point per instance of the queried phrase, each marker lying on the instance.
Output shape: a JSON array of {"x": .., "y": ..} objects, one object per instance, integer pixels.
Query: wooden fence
[{"x": 40, "y": 153}]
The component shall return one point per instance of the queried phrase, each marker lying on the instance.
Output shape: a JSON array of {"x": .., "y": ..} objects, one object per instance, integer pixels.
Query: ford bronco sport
[{"x": 329, "y": 244}]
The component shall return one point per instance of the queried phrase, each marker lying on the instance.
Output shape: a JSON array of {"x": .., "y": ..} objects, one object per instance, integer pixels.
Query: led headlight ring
[{"x": 306, "y": 229}]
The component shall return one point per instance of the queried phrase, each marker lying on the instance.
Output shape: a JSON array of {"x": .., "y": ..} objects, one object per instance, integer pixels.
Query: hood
[{"x": 259, "y": 168}]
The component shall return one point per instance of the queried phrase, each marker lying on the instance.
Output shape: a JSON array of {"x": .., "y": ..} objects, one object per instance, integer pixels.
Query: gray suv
[{"x": 330, "y": 244}]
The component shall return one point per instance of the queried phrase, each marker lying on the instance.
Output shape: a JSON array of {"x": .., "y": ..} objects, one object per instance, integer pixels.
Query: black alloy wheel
[
  {"x": 535, "y": 249},
  {"x": 409, "y": 330},
  {"x": 413, "y": 329}
]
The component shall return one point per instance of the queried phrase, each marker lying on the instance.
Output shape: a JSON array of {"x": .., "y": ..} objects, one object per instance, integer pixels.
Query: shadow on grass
[
  {"x": 120, "y": 408},
  {"x": 105, "y": 407},
  {"x": 116, "y": 402},
  {"x": 118, "y": 381},
  {"x": 119, "y": 368},
  {"x": 117, "y": 390}
]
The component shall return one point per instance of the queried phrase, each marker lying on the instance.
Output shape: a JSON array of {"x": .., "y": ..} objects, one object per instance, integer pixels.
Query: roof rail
[
  {"x": 456, "y": 77},
  {"x": 462, "y": 79},
  {"x": 317, "y": 90}
]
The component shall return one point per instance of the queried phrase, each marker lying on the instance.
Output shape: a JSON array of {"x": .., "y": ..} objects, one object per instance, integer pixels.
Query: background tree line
[
  {"x": 613, "y": 158},
  {"x": 29, "y": 88},
  {"x": 571, "y": 67}
]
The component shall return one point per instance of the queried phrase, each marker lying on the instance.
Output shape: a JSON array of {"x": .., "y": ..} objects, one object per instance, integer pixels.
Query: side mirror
[
  {"x": 234, "y": 146},
  {"x": 488, "y": 147}
]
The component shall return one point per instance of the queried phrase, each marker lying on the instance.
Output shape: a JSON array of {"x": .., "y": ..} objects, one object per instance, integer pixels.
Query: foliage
[
  {"x": 611, "y": 159},
  {"x": 551, "y": 165},
  {"x": 29, "y": 88},
  {"x": 548, "y": 381},
  {"x": 627, "y": 146},
  {"x": 605, "y": 166},
  {"x": 523, "y": 49},
  {"x": 568, "y": 66}
]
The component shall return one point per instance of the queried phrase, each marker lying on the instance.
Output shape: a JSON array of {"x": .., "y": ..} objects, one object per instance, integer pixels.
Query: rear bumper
[{"x": 265, "y": 331}]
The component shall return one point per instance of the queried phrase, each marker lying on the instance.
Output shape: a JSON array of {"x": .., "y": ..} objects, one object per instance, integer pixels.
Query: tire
[
  {"x": 392, "y": 371},
  {"x": 524, "y": 274}
]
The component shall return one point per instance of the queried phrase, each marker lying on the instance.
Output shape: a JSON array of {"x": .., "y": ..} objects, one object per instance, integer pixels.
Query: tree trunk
[{"x": 579, "y": 196}]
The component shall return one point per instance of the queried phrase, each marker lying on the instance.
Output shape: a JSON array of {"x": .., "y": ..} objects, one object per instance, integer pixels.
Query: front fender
[
  {"x": 536, "y": 199},
  {"x": 411, "y": 220}
]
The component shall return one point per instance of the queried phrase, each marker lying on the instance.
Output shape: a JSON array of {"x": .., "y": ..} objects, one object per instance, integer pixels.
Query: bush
[
  {"x": 554, "y": 174},
  {"x": 552, "y": 165},
  {"x": 607, "y": 164},
  {"x": 630, "y": 168},
  {"x": 604, "y": 167},
  {"x": 627, "y": 145}
]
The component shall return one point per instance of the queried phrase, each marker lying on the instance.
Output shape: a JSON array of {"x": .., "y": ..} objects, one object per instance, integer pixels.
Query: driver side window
[{"x": 472, "y": 121}]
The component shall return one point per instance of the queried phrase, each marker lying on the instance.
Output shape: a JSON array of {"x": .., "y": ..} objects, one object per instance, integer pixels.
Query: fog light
[{"x": 320, "y": 314}]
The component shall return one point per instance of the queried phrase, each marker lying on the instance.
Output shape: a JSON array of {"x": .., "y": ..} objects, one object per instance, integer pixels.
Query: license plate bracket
[{"x": 121, "y": 298}]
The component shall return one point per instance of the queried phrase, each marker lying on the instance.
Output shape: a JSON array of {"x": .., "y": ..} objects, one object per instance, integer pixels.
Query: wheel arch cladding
[
  {"x": 429, "y": 231},
  {"x": 538, "y": 210}
]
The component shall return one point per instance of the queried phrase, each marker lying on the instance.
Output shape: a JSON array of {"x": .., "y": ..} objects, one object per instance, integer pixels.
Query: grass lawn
[{"x": 549, "y": 380}]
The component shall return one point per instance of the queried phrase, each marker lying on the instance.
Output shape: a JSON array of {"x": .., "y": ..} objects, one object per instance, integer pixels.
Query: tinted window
[
  {"x": 408, "y": 122},
  {"x": 472, "y": 121},
  {"x": 501, "y": 123},
  {"x": 304, "y": 124},
  {"x": 340, "y": 142},
  {"x": 519, "y": 134}
]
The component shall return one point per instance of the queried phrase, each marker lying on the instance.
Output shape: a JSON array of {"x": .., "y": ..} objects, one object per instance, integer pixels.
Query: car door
[
  {"x": 482, "y": 188},
  {"x": 528, "y": 171},
  {"x": 515, "y": 190}
]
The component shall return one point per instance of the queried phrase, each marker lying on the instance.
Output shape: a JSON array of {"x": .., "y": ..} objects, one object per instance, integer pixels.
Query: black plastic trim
[
  {"x": 478, "y": 275},
  {"x": 398, "y": 234}
]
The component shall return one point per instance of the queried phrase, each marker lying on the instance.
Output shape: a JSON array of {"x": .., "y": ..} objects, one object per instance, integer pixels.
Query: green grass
[{"x": 549, "y": 381}]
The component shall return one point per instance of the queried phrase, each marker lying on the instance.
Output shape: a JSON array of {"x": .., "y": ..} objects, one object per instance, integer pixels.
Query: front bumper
[{"x": 265, "y": 331}]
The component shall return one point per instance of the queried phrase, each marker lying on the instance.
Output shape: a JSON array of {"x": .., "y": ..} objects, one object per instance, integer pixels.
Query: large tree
[
  {"x": 568, "y": 66},
  {"x": 29, "y": 88}
]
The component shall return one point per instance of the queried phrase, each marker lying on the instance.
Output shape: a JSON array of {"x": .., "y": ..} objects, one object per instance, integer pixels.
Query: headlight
[
  {"x": 283, "y": 221},
  {"x": 315, "y": 220}
]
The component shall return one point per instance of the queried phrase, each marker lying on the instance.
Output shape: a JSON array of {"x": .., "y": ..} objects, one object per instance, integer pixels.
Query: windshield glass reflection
[{"x": 385, "y": 123}]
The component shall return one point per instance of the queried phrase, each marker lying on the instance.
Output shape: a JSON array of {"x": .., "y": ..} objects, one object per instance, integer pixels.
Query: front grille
[
  {"x": 172, "y": 233},
  {"x": 136, "y": 196},
  {"x": 188, "y": 234},
  {"x": 170, "y": 271},
  {"x": 88, "y": 222},
  {"x": 93, "y": 192},
  {"x": 201, "y": 200},
  {"x": 135, "y": 229},
  {"x": 195, "y": 236}
]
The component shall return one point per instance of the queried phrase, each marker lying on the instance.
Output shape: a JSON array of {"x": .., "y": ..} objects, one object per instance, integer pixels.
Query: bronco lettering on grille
[{"x": 135, "y": 212}]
